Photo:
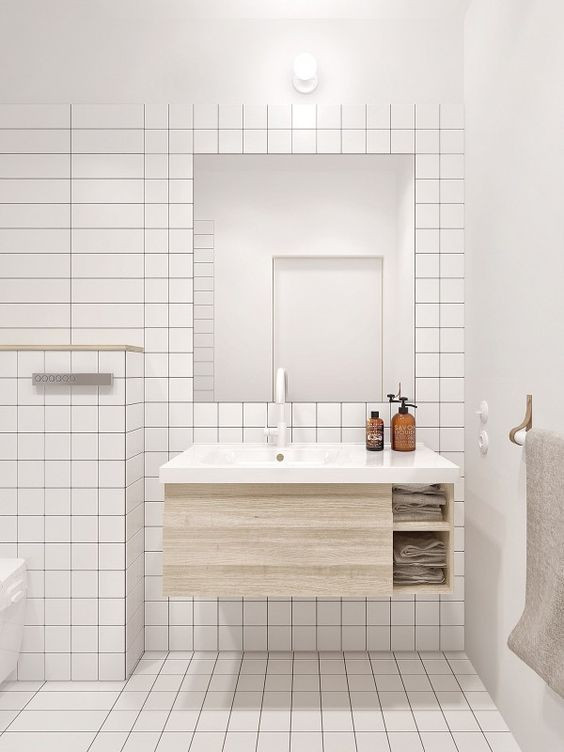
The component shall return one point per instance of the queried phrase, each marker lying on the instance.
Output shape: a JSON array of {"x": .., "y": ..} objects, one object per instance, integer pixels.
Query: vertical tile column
[
  {"x": 424, "y": 612},
  {"x": 157, "y": 316},
  {"x": 440, "y": 334},
  {"x": 182, "y": 121},
  {"x": 203, "y": 310},
  {"x": 134, "y": 510},
  {"x": 181, "y": 271},
  {"x": 107, "y": 224},
  {"x": 93, "y": 547},
  {"x": 451, "y": 376},
  {"x": 35, "y": 480},
  {"x": 8, "y": 455},
  {"x": 169, "y": 344},
  {"x": 34, "y": 223}
]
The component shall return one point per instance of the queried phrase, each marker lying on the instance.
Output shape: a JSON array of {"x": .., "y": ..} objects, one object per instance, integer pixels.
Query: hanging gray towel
[{"x": 538, "y": 638}]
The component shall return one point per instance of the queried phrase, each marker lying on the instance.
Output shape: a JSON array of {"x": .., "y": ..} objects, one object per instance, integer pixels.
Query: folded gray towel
[
  {"x": 412, "y": 488},
  {"x": 420, "y": 575},
  {"x": 418, "y": 498},
  {"x": 406, "y": 512},
  {"x": 419, "y": 548},
  {"x": 418, "y": 505}
]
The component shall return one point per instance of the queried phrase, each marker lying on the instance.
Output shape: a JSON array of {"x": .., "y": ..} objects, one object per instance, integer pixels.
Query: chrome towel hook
[{"x": 517, "y": 434}]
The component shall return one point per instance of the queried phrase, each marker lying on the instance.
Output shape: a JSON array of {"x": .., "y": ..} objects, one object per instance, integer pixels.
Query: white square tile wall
[
  {"x": 97, "y": 244},
  {"x": 71, "y": 498}
]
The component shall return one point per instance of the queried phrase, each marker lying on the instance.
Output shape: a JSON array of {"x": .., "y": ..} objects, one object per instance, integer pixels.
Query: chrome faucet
[{"x": 280, "y": 391}]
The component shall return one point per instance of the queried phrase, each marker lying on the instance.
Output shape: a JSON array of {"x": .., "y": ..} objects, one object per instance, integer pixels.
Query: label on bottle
[
  {"x": 404, "y": 438},
  {"x": 375, "y": 436}
]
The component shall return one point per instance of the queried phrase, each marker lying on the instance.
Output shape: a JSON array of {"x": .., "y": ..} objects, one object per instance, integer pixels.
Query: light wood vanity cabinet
[{"x": 258, "y": 540}]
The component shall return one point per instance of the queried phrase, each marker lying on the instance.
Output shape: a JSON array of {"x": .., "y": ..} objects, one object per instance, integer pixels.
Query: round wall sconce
[{"x": 305, "y": 73}]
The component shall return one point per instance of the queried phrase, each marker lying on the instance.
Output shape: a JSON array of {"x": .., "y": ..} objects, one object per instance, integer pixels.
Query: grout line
[
  {"x": 168, "y": 600},
  {"x": 291, "y": 704},
  {"x": 176, "y": 695},
  {"x": 261, "y": 700},
  {"x": 203, "y": 701},
  {"x": 320, "y": 700},
  {"x": 438, "y": 701},
  {"x": 482, "y": 732},
  {"x": 233, "y": 700},
  {"x": 408, "y": 700},
  {"x": 187, "y": 128},
  {"x": 350, "y": 703},
  {"x": 36, "y": 692},
  {"x": 116, "y": 701},
  {"x": 378, "y": 692},
  {"x": 70, "y": 225}
]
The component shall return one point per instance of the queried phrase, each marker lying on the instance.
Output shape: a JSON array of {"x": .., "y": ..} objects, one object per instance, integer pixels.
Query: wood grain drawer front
[{"x": 278, "y": 540}]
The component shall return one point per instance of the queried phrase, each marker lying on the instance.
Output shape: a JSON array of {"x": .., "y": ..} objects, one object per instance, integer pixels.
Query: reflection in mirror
[
  {"x": 320, "y": 304},
  {"x": 304, "y": 262}
]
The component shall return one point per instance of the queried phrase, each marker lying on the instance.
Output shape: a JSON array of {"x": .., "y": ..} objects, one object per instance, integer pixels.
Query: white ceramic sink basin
[
  {"x": 267, "y": 456},
  {"x": 306, "y": 463}
]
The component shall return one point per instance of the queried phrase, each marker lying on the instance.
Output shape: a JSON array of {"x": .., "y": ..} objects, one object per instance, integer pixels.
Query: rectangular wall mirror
[{"x": 304, "y": 262}]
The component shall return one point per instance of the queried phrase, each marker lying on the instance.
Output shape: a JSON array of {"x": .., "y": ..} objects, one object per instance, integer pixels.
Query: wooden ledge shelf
[
  {"x": 71, "y": 348},
  {"x": 420, "y": 526},
  {"x": 445, "y": 589}
]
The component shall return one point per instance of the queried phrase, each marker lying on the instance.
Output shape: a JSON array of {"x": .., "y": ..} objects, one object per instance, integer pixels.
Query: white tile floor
[{"x": 259, "y": 702}]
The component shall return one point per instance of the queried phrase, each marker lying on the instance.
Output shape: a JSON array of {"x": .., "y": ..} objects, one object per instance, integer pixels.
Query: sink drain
[{"x": 280, "y": 457}]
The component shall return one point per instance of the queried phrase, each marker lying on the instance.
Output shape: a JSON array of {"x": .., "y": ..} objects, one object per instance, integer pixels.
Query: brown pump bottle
[{"x": 402, "y": 428}]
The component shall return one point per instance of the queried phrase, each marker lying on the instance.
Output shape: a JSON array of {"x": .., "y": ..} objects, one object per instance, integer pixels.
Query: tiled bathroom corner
[{"x": 111, "y": 187}]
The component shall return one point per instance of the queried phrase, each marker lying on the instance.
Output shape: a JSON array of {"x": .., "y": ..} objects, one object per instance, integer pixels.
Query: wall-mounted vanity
[{"x": 309, "y": 520}]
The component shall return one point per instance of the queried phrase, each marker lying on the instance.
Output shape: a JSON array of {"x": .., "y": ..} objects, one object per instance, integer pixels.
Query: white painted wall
[
  {"x": 514, "y": 83},
  {"x": 157, "y": 50}
]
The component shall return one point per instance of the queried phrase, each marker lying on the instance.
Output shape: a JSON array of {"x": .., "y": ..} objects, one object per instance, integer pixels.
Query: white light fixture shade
[{"x": 305, "y": 73}]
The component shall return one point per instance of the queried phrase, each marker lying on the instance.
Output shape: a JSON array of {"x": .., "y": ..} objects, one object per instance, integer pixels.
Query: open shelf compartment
[{"x": 445, "y": 531}]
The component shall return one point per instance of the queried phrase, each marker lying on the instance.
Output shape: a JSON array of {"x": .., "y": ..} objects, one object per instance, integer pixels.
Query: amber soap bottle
[
  {"x": 402, "y": 428},
  {"x": 375, "y": 432}
]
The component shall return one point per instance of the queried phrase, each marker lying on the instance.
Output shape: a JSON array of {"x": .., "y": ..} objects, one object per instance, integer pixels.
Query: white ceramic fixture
[
  {"x": 484, "y": 442},
  {"x": 13, "y": 586},
  {"x": 483, "y": 411},
  {"x": 306, "y": 463},
  {"x": 305, "y": 73},
  {"x": 264, "y": 456},
  {"x": 281, "y": 430}
]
